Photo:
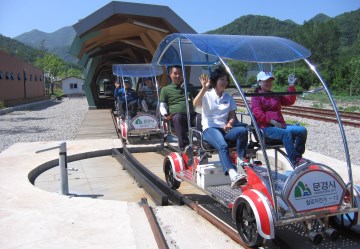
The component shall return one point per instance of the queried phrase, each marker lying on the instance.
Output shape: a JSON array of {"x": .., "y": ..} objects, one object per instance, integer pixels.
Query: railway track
[
  {"x": 203, "y": 205},
  {"x": 326, "y": 115},
  {"x": 163, "y": 195},
  {"x": 147, "y": 177}
]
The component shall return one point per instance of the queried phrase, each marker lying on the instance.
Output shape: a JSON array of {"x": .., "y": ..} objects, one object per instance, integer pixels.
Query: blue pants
[
  {"x": 293, "y": 137},
  {"x": 132, "y": 107},
  {"x": 218, "y": 139}
]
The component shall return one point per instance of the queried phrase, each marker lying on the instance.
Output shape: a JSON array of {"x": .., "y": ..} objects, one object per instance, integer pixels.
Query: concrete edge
[
  {"x": 34, "y": 173},
  {"x": 20, "y": 107}
]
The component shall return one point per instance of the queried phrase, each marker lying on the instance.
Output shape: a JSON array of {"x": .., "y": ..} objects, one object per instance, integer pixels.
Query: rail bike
[
  {"x": 311, "y": 194},
  {"x": 144, "y": 126}
]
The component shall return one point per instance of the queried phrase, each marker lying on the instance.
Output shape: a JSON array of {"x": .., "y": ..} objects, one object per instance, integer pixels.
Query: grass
[
  {"x": 321, "y": 97},
  {"x": 57, "y": 92},
  {"x": 288, "y": 121},
  {"x": 317, "y": 105},
  {"x": 349, "y": 108},
  {"x": 2, "y": 105},
  {"x": 241, "y": 110},
  {"x": 295, "y": 122},
  {"x": 344, "y": 103}
]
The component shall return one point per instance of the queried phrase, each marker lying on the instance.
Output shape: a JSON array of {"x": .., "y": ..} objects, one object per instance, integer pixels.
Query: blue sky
[{"x": 20, "y": 16}]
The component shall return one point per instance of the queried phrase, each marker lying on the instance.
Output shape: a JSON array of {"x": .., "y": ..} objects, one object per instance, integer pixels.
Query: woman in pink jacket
[{"x": 267, "y": 111}]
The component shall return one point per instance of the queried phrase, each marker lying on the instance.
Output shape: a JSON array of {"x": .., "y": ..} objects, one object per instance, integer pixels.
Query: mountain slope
[
  {"x": 19, "y": 50},
  {"x": 257, "y": 25},
  {"x": 320, "y": 18},
  {"x": 348, "y": 24},
  {"x": 57, "y": 42}
]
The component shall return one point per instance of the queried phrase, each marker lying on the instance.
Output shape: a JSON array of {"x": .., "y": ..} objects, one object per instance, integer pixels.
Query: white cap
[{"x": 264, "y": 76}]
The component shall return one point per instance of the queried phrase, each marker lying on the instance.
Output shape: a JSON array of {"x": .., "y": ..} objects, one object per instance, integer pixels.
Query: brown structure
[
  {"x": 19, "y": 82},
  {"x": 121, "y": 32}
]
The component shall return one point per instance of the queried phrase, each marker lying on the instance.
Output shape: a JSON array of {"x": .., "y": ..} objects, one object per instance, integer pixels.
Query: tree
[
  {"x": 322, "y": 39},
  {"x": 52, "y": 65},
  {"x": 240, "y": 70},
  {"x": 71, "y": 72},
  {"x": 305, "y": 79},
  {"x": 354, "y": 74}
]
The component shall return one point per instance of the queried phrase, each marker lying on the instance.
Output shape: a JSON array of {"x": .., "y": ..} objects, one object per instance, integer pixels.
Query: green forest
[{"x": 333, "y": 42}]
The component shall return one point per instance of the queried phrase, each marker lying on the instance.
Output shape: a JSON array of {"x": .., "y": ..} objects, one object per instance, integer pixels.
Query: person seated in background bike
[
  {"x": 149, "y": 93},
  {"x": 218, "y": 119},
  {"x": 173, "y": 104},
  {"x": 124, "y": 96},
  {"x": 267, "y": 111}
]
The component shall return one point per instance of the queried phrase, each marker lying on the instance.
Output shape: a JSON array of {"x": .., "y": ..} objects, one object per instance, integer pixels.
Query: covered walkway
[{"x": 120, "y": 32}]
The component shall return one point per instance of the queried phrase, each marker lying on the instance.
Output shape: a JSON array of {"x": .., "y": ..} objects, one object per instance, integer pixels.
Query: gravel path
[
  {"x": 52, "y": 120},
  {"x": 325, "y": 138},
  {"x": 61, "y": 120}
]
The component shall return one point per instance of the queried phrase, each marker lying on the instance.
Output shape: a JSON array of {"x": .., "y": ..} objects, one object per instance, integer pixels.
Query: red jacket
[{"x": 266, "y": 108}]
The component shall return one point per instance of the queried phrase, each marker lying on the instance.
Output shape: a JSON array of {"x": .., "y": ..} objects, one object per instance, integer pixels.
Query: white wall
[{"x": 68, "y": 86}]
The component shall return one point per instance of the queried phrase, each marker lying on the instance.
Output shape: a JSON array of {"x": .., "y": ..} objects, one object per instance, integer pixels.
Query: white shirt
[{"x": 215, "y": 109}]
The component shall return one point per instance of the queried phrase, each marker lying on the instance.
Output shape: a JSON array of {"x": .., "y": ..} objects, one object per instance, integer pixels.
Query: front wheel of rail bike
[
  {"x": 247, "y": 226},
  {"x": 170, "y": 177}
]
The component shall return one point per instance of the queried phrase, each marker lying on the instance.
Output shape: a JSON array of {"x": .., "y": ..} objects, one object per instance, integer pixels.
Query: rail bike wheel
[
  {"x": 247, "y": 226},
  {"x": 345, "y": 221},
  {"x": 170, "y": 178}
]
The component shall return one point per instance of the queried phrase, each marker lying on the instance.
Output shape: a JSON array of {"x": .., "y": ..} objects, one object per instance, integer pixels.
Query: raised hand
[
  {"x": 205, "y": 81},
  {"x": 291, "y": 79}
]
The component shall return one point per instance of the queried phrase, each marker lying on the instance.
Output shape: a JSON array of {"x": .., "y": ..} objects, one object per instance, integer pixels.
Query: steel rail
[
  {"x": 155, "y": 227},
  {"x": 151, "y": 188},
  {"x": 229, "y": 231},
  {"x": 343, "y": 114},
  {"x": 173, "y": 195},
  {"x": 115, "y": 123},
  {"x": 322, "y": 114}
]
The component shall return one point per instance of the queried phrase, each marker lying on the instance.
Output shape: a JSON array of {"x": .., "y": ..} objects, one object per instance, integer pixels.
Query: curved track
[
  {"x": 151, "y": 178},
  {"x": 214, "y": 212}
]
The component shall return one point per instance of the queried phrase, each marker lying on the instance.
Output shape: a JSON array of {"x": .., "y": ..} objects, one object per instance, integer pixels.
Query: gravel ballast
[
  {"x": 53, "y": 120},
  {"x": 60, "y": 121}
]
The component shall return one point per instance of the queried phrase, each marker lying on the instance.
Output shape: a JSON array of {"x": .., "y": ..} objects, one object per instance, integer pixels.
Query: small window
[
  {"x": 30, "y": 77},
  {"x": 7, "y": 76},
  {"x": 73, "y": 85},
  {"x": 25, "y": 76},
  {"x": 12, "y": 76},
  {"x": 19, "y": 76},
  {"x": 35, "y": 77},
  {"x": 40, "y": 78},
  {"x": 1, "y": 75}
]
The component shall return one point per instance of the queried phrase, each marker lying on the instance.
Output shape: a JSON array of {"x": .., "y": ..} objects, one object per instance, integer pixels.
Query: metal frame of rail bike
[
  {"x": 145, "y": 126},
  {"x": 312, "y": 194}
]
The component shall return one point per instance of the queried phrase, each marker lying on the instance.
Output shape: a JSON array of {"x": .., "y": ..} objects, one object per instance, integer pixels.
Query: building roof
[
  {"x": 72, "y": 77},
  {"x": 122, "y": 32}
]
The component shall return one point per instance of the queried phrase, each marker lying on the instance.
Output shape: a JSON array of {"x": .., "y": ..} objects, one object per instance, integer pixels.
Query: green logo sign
[
  {"x": 138, "y": 121},
  {"x": 302, "y": 190}
]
